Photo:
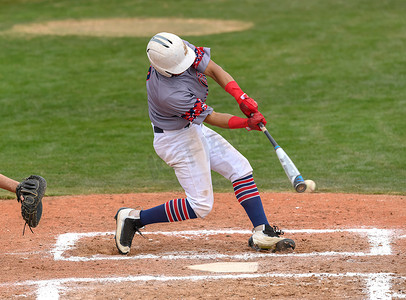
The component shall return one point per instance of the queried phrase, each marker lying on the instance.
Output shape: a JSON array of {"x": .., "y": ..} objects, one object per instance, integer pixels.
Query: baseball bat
[{"x": 287, "y": 164}]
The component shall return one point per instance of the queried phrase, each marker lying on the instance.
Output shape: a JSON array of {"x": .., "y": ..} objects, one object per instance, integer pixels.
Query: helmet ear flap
[{"x": 169, "y": 55}]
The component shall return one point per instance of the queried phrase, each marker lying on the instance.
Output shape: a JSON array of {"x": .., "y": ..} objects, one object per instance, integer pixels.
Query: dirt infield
[
  {"x": 130, "y": 27},
  {"x": 348, "y": 246}
]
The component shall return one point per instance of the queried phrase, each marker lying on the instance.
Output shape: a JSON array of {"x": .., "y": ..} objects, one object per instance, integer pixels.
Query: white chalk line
[
  {"x": 378, "y": 285},
  {"x": 379, "y": 241}
]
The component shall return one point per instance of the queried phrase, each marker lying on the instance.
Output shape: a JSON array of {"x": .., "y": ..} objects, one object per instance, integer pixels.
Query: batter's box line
[
  {"x": 377, "y": 285},
  {"x": 379, "y": 241}
]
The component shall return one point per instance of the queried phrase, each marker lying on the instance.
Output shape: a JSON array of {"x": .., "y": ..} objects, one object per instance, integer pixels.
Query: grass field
[{"x": 328, "y": 75}]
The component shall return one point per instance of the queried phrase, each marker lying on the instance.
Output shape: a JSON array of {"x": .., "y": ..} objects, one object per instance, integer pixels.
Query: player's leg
[
  {"x": 187, "y": 153},
  {"x": 129, "y": 220},
  {"x": 230, "y": 163},
  {"x": 227, "y": 161}
]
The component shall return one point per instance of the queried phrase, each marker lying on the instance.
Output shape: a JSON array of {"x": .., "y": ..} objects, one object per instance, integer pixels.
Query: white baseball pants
[{"x": 193, "y": 152}]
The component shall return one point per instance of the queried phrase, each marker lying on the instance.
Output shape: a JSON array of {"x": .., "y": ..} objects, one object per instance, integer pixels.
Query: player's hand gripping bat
[{"x": 290, "y": 169}]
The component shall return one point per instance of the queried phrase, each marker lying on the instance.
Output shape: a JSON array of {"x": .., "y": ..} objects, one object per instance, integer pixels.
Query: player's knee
[
  {"x": 243, "y": 169},
  {"x": 202, "y": 206},
  {"x": 203, "y": 211}
]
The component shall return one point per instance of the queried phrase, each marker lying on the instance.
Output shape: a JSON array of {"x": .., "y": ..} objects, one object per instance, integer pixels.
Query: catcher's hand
[{"x": 30, "y": 192}]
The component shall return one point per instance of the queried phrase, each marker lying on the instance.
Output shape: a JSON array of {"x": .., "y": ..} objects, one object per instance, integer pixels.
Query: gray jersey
[{"x": 173, "y": 102}]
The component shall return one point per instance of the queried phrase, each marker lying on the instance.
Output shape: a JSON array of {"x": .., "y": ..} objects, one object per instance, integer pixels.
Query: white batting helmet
[{"x": 169, "y": 55}]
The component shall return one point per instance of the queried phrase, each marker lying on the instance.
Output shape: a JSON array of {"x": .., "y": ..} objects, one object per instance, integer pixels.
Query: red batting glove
[
  {"x": 255, "y": 120},
  {"x": 249, "y": 106}
]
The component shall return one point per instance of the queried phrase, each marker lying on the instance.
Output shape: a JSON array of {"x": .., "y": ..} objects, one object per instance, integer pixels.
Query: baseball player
[{"x": 177, "y": 91}]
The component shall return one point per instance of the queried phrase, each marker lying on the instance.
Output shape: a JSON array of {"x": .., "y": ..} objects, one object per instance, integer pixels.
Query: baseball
[{"x": 311, "y": 186}]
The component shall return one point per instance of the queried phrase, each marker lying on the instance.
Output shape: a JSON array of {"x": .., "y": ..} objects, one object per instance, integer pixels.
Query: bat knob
[{"x": 299, "y": 184}]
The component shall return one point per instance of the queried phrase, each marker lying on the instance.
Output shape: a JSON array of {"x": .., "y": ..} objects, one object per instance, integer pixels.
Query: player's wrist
[
  {"x": 234, "y": 90},
  {"x": 236, "y": 122}
]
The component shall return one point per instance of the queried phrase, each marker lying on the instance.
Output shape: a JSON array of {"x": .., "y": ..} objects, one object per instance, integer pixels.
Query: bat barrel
[
  {"x": 299, "y": 184},
  {"x": 290, "y": 169}
]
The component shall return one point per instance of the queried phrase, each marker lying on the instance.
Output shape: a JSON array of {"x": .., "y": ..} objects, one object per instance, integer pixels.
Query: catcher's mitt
[{"x": 30, "y": 192}]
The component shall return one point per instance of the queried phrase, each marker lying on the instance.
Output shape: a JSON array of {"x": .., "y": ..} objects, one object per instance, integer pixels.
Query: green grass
[{"x": 328, "y": 75}]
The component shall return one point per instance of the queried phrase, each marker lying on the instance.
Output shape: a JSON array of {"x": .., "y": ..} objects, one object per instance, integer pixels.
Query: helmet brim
[{"x": 186, "y": 63}]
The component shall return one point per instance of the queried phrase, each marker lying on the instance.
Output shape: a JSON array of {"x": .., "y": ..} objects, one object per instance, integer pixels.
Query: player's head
[{"x": 169, "y": 55}]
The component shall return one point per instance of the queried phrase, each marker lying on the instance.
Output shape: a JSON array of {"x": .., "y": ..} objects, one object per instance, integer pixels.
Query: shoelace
[
  {"x": 25, "y": 224},
  {"x": 137, "y": 230},
  {"x": 275, "y": 230}
]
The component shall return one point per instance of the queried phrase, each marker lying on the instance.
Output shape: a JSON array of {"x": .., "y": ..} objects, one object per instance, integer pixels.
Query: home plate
[{"x": 228, "y": 267}]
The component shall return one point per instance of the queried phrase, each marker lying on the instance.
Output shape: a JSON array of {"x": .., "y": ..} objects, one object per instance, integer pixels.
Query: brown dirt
[
  {"x": 156, "y": 268},
  {"x": 131, "y": 27}
]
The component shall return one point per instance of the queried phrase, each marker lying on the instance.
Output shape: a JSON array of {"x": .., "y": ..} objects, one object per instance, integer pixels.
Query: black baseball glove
[{"x": 30, "y": 192}]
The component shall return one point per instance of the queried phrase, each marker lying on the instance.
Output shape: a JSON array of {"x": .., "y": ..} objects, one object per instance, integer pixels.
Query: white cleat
[
  {"x": 126, "y": 227},
  {"x": 266, "y": 237}
]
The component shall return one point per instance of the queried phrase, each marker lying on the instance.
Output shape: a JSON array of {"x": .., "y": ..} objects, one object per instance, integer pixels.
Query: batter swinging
[{"x": 177, "y": 92}]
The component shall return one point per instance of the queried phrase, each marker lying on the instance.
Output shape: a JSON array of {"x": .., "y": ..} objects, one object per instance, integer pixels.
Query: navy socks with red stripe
[
  {"x": 175, "y": 210},
  {"x": 247, "y": 195},
  {"x": 172, "y": 211}
]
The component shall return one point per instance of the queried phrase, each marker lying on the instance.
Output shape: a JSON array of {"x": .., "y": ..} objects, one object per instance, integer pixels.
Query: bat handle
[{"x": 268, "y": 135}]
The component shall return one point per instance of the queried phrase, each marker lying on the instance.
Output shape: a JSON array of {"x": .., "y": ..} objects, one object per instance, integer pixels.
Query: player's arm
[
  {"x": 8, "y": 183},
  {"x": 247, "y": 105},
  {"x": 218, "y": 74},
  {"x": 218, "y": 119},
  {"x": 224, "y": 120}
]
